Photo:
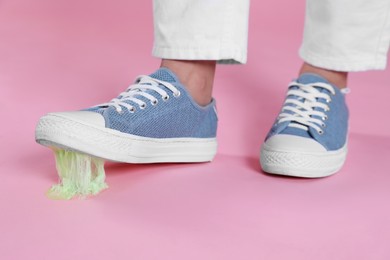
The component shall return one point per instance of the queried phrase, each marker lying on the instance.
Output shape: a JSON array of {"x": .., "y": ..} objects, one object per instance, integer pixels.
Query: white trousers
[{"x": 342, "y": 35}]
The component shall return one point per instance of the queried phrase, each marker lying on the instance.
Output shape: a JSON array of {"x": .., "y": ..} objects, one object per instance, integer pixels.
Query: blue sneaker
[
  {"x": 154, "y": 120},
  {"x": 309, "y": 137}
]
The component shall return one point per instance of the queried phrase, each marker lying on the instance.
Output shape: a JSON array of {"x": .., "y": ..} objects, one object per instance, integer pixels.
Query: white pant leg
[
  {"x": 201, "y": 30},
  {"x": 347, "y": 35}
]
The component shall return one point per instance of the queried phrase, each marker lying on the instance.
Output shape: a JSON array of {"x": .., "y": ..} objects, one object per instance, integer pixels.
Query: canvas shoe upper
[
  {"x": 309, "y": 137},
  {"x": 154, "y": 120}
]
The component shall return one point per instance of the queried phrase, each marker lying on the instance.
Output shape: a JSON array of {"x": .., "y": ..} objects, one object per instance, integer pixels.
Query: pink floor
[{"x": 61, "y": 55}]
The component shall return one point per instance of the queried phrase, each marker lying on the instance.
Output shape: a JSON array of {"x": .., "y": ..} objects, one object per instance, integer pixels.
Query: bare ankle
[
  {"x": 196, "y": 76},
  {"x": 337, "y": 78}
]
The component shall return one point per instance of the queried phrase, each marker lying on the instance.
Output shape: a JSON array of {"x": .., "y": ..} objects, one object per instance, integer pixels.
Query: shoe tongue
[
  {"x": 306, "y": 78},
  {"x": 309, "y": 78},
  {"x": 165, "y": 74}
]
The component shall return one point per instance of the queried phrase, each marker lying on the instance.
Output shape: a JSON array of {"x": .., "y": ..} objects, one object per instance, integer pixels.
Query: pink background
[{"x": 66, "y": 55}]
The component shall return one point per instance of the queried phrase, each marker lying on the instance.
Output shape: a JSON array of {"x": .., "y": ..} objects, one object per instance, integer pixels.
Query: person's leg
[
  {"x": 337, "y": 78},
  {"x": 309, "y": 137},
  {"x": 197, "y": 76},
  {"x": 192, "y": 36},
  {"x": 201, "y": 30},
  {"x": 168, "y": 116},
  {"x": 348, "y": 35}
]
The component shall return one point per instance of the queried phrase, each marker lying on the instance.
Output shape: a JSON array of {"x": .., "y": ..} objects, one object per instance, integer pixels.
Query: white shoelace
[
  {"x": 300, "y": 106},
  {"x": 133, "y": 92}
]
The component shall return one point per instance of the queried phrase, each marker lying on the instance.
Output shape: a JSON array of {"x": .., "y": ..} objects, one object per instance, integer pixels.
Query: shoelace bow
[
  {"x": 300, "y": 106},
  {"x": 134, "y": 91}
]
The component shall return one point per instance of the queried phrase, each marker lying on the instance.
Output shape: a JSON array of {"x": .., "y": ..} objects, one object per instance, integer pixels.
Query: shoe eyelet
[
  {"x": 320, "y": 132},
  {"x": 132, "y": 110},
  {"x": 328, "y": 101},
  {"x": 323, "y": 125},
  {"x": 154, "y": 102},
  {"x": 325, "y": 117},
  {"x": 177, "y": 94},
  {"x": 165, "y": 98},
  {"x": 143, "y": 106}
]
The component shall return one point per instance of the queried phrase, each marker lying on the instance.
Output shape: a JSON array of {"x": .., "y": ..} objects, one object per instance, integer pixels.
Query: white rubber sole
[
  {"x": 57, "y": 131},
  {"x": 300, "y": 164}
]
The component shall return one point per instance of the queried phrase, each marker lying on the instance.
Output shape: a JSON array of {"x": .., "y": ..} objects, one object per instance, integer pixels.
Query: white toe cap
[
  {"x": 283, "y": 142},
  {"x": 86, "y": 117}
]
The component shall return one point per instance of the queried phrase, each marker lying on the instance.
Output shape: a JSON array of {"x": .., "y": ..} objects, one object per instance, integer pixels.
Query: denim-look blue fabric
[
  {"x": 174, "y": 118},
  {"x": 334, "y": 136}
]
